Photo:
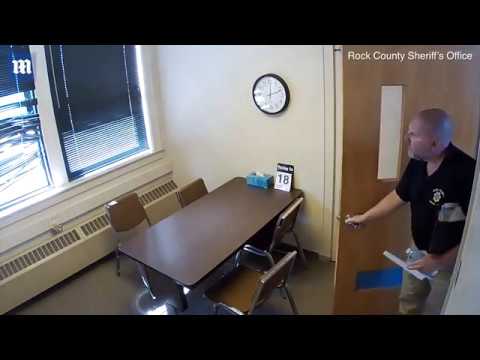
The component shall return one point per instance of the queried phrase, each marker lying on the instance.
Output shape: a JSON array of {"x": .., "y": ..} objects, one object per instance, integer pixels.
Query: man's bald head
[
  {"x": 438, "y": 123},
  {"x": 429, "y": 133}
]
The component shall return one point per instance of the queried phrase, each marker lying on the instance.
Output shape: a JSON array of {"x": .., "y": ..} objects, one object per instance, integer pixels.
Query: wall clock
[{"x": 270, "y": 94}]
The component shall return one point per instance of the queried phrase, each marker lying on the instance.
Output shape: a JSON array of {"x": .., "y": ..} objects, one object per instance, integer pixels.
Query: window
[
  {"x": 97, "y": 104},
  {"x": 66, "y": 111},
  {"x": 23, "y": 164},
  {"x": 391, "y": 115}
]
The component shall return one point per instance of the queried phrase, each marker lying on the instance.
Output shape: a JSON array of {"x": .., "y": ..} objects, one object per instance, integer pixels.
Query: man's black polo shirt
[{"x": 450, "y": 183}]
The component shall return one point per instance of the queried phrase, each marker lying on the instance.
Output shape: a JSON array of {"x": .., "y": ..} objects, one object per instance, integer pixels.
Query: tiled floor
[{"x": 98, "y": 290}]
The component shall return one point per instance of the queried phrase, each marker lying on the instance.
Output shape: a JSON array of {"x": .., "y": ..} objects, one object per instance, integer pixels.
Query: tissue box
[{"x": 264, "y": 181}]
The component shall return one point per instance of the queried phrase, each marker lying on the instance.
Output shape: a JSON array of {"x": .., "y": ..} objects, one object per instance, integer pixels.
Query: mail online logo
[{"x": 22, "y": 66}]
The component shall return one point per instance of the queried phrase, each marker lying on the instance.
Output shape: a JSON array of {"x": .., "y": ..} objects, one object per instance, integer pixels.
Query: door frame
[
  {"x": 338, "y": 118},
  {"x": 466, "y": 233},
  {"x": 329, "y": 150}
]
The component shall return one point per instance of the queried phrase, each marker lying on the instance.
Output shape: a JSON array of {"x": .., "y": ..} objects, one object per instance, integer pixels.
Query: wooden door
[{"x": 451, "y": 85}]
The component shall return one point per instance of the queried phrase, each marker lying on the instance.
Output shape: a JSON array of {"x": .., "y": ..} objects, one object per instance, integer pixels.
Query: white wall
[
  {"x": 464, "y": 292},
  {"x": 212, "y": 129}
]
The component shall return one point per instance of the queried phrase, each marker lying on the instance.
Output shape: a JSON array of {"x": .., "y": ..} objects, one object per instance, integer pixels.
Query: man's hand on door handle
[
  {"x": 356, "y": 221},
  {"x": 386, "y": 206}
]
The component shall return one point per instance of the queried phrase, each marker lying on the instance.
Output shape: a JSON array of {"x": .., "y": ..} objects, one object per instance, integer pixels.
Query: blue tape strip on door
[{"x": 385, "y": 278}]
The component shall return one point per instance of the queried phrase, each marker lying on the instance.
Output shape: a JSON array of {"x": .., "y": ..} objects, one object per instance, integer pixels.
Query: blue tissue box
[{"x": 264, "y": 182}]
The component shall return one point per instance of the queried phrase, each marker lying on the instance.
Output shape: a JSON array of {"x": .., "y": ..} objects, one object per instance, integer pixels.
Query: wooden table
[{"x": 189, "y": 244}]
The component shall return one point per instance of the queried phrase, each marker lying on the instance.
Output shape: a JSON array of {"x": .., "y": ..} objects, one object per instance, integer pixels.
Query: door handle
[{"x": 354, "y": 226}]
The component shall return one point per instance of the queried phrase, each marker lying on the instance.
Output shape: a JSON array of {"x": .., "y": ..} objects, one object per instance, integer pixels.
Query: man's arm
[{"x": 387, "y": 205}]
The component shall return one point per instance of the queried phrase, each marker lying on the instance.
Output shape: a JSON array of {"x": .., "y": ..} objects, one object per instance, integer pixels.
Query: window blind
[{"x": 97, "y": 103}]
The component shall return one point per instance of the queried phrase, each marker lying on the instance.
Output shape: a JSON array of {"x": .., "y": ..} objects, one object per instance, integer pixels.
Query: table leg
[
  {"x": 182, "y": 298},
  {"x": 162, "y": 287}
]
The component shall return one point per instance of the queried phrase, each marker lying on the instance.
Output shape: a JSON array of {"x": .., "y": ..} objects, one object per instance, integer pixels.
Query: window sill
[
  {"x": 103, "y": 171},
  {"x": 64, "y": 196}
]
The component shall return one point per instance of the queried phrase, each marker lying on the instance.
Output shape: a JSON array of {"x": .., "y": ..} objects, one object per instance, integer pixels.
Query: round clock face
[{"x": 270, "y": 94}]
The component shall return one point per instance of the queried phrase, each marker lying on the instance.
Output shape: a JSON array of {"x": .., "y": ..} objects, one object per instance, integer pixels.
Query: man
[{"x": 437, "y": 183}]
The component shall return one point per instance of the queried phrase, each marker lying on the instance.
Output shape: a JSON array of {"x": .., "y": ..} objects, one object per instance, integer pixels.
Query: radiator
[{"x": 35, "y": 270}]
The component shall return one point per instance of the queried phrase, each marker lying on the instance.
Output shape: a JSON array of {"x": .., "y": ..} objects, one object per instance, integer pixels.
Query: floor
[{"x": 98, "y": 290}]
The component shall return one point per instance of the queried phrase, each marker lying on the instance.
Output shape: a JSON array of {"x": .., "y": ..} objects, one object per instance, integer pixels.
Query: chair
[
  {"x": 163, "y": 208},
  {"x": 127, "y": 217},
  {"x": 263, "y": 244},
  {"x": 191, "y": 192},
  {"x": 243, "y": 290}
]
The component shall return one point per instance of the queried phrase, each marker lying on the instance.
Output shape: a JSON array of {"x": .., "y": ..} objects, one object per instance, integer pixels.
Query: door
[{"x": 405, "y": 87}]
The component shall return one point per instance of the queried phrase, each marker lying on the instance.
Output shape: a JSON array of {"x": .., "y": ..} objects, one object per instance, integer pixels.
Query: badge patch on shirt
[{"x": 438, "y": 195}]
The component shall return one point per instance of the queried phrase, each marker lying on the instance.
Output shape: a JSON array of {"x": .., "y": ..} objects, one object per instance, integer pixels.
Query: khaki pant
[{"x": 414, "y": 293}]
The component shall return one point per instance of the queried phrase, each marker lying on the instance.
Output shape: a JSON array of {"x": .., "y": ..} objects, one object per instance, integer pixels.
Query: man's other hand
[{"x": 428, "y": 264}]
